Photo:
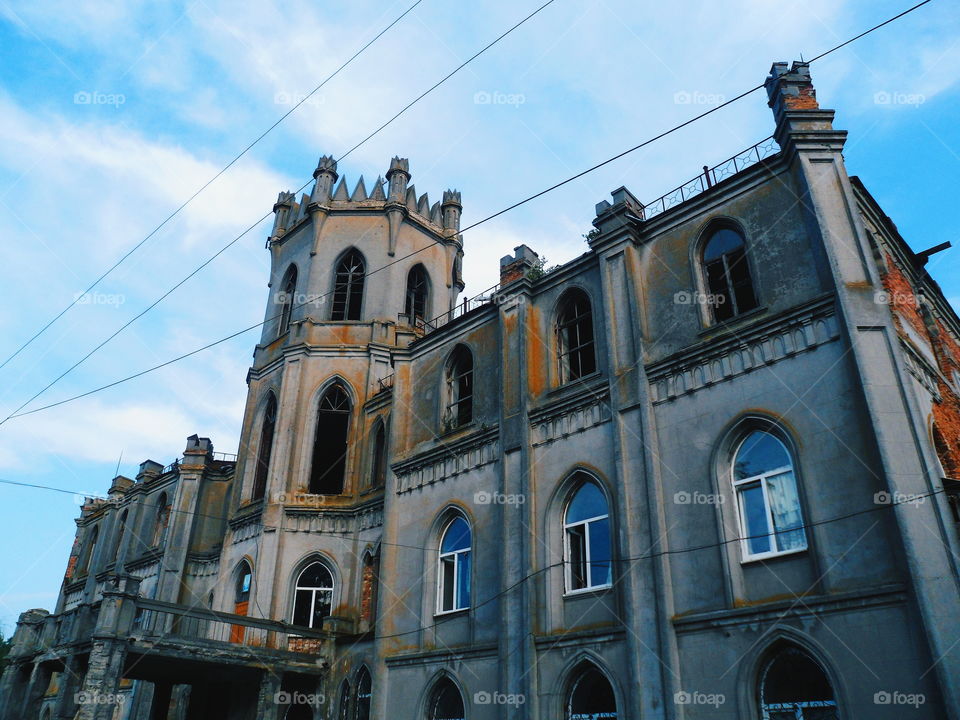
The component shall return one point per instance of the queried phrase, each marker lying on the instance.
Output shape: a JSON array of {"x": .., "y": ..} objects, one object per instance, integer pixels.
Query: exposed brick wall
[
  {"x": 368, "y": 590},
  {"x": 904, "y": 304}
]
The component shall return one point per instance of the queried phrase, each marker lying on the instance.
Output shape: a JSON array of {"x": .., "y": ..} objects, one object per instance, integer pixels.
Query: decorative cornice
[
  {"x": 571, "y": 414},
  {"x": 448, "y": 460},
  {"x": 325, "y": 520},
  {"x": 754, "y": 347}
]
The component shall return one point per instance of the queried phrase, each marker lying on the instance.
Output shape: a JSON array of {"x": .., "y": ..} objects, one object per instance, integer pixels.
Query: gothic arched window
[
  {"x": 162, "y": 520},
  {"x": 418, "y": 288},
  {"x": 445, "y": 703},
  {"x": 330, "y": 442},
  {"x": 576, "y": 354},
  {"x": 771, "y": 521},
  {"x": 727, "y": 274},
  {"x": 313, "y": 596},
  {"x": 587, "y": 543},
  {"x": 363, "y": 696},
  {"x": 591, "y": 696},
  {"x": 458, "y": 389},
  {"x": 378, "y": 460},
  {"x": 793, "y": 685},
  {"x": 348, "y": 287},
  {"x": 453, "y": 576},
  {"x": 265, "y": 448},
  {"x": 288, "y": 293},
  {"x": 89, "y": 546}
]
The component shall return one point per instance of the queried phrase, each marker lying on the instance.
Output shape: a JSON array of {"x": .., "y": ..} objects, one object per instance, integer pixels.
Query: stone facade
[{"x": 399, "y": 534}]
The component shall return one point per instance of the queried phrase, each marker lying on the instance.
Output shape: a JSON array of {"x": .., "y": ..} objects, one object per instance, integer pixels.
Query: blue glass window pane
[
  {"x": 723, "y": 241},
  {"x": 600, "y": 552},
  {"x": 457, "y": 536},
  {"x": 589, "y": 502},
  {"x": 760, "y": 453},
  {"x": 755, "y": 519},
  {"x": 463, "y": 587}
]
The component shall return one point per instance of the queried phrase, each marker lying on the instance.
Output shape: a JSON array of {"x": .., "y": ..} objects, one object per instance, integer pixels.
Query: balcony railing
[
  {"x": 711, "y": 176},
  {"x": 158, "y": 621},
  {"x": 427, "y": 326}
]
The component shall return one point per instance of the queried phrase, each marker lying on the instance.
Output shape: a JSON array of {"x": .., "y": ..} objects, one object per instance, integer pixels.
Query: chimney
[
  {"x": 516, "y": 266},
  {"x": 790, "y": 89}
]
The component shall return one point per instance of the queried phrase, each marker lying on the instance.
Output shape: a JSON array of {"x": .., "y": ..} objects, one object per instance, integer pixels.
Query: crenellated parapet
[{"x": 392, "y": 194}]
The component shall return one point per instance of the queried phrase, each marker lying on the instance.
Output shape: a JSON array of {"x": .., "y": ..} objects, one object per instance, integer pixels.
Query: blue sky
[{"x": 176, "y": 89}]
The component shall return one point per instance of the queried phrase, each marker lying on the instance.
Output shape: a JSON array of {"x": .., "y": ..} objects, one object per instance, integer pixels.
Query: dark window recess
[
  {"x": 348, "y": 288},
  {"x": 378, "y": 469},
  {"x": 459, "y": 390},
  {"x": 728, "y": 275},
  {"x": 418, "y": 285},
  {"x": 266, "y": 448},
  {"x": 330, "y": 443},
  {"x": 363, "y": 696},
  {"x": 794, "y": 686},
  {"x": 287, "y": 296},
  {"x": 591, "y": 697},
  {"x": 446, "y": 702},
  {"x": 575, "y": 345}
]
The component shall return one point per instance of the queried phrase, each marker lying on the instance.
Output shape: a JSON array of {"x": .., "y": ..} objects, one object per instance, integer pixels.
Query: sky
[{"x": 114, "y": 112}]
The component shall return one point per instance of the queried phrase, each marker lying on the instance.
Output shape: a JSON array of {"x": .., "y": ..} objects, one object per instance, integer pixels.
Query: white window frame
[
  {"x": 762, "y": 479},
  {"x": 297, "y": 587},
  {"x": 567, "y": 560},
  {"x": 457, "y": 556}
]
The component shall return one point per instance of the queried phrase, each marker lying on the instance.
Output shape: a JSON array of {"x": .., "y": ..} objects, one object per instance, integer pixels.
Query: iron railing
[
  {"x": 427, "y": 326},
  {"x": 711, "y": 176}
]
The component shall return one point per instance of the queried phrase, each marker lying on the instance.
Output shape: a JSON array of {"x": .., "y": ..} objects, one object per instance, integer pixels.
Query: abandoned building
[{"x": 707, "y": 469}]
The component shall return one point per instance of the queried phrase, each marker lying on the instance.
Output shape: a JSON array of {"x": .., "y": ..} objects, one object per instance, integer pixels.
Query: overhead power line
[
  {"x": 223, "y": 249},
  {"x": 17, "y": 413},
  {"x": 207, "y": 184}
]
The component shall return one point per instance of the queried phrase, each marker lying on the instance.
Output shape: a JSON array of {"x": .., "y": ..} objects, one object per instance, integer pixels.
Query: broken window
[
  {"x": 446, "y": 703},
  {"x": 771, "y": 522},
  {"x": 162, "y": 521},
  {"x": 313, "y": 596},
  {"x": 265, "y": 449},
  {"x": 591, "y": 696},
  {"x": 793, "y": 686},
  {"x": 90, "y": 544},
  {"x": 458, "y": 391},
  {"x": 418, "y": 285},
  {"x": 453, "y": 579},
  {"x": 727, "y": 274},
  {"x": 575, "y": 347},
  {"x": 348, "y": 287},
  {"x": 364, "y": 695},
  {"x": 587, "y": 539},
  {"x": 345, "y": 700},
  {"x": 330, "y": 443},
  {"x": 378, "y": 465},
  {"x": 121, "y": 529},
  {"x": 286, "y": 298}
]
